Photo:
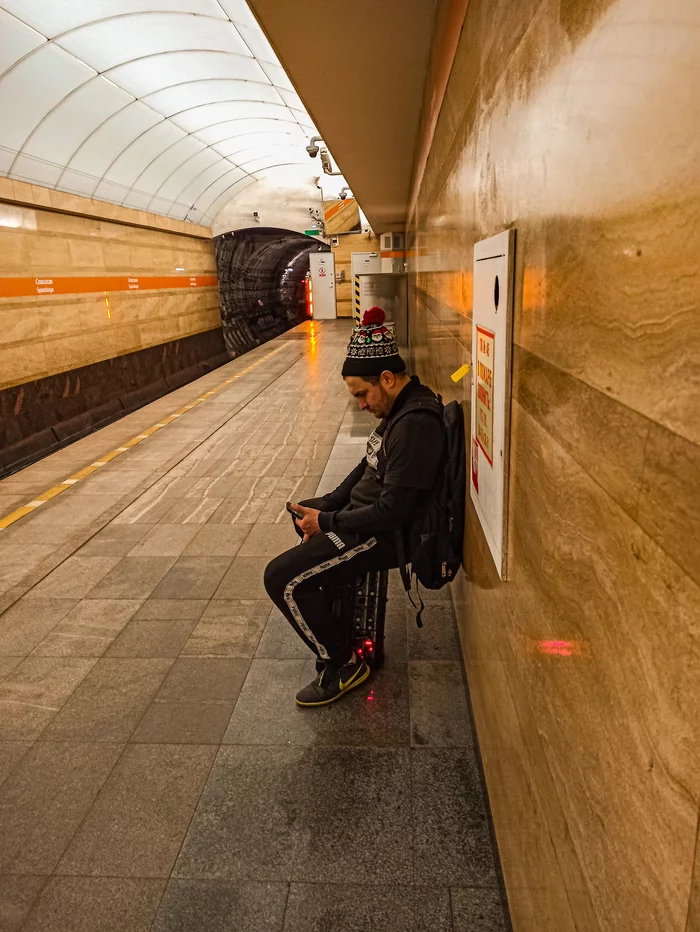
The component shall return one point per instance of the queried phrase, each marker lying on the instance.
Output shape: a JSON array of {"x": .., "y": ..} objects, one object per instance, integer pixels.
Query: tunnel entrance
[{"x": 262, "y": 273}]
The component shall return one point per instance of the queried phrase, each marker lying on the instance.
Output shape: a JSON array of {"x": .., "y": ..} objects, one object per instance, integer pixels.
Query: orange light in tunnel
[{"x": 309, "y": 298}]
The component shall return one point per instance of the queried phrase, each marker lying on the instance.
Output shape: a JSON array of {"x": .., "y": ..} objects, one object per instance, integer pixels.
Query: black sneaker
[{"x": 332, "y": 683}]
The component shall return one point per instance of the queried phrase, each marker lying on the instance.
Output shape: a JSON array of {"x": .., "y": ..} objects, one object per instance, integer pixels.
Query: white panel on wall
[
  {"x": 196, "y": 93},
  {"x": 112, "y": 42},
  {"x": 210, "y": 114},
  {"x": 26, "y": 95},
  {"x": 280, "y": 153},
  {"x": 189, "y": 170},
  {"x": 168, "y": 162},
  {"x": 152, "y": 74},
  {"x": 37, "y": 171},
  {"x": 272, "y": 161},
  {"x": 107, "y": 142},
  {"x": 53, "y": 17},
  {"x": 291, "y": 98},
  {"x": 62, "y": 131},
  {"x": 17, "y": 40},
  {"x": 136, "y": 158},
  {"x": 137, "y": 199},
  {"x": 109, "y": 191},
  {"x": 222, "y": 132},
  {"x": 491, "y": 389},
  {"x": 213, "y": 209}
]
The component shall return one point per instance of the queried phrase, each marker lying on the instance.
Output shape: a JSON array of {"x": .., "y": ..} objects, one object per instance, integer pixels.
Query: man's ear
[{"x": 388, "y": 378}]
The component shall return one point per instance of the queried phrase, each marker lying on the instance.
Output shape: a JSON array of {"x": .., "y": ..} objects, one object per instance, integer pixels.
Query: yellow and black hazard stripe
[{"x": 356, "y": 300}]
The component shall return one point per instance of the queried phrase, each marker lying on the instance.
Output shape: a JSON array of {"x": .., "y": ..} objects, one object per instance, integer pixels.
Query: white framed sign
[{"x": 492, "y": 342}]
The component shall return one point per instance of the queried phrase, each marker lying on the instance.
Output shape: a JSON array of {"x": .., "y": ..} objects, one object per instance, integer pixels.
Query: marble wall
[
  {"x": 42, "y": 335},
  {"x": 577, "y": 124}
]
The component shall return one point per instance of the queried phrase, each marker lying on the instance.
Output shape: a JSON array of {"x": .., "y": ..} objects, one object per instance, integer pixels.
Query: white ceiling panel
[
  {"x": 26, "y": 96},
  {"x": 110, "y": 139},
  {"x": 211, "y": 114},
  {"x": 222, "y": 131},
  {"x": 267, "y": 141},
  {"x": 239, "y": 12},
  {"x": 111, "y": 42},
  {"x": 173, "y": 100},
  {"x": 146, "y": 103},
  {"x": 148, "y": 75},
  {"x": 62, "y": 131},
  {"x": 258, "y": 44},
  {"x": 168, "y": 162},
  {"x": 205, "y": 179},
  {"x": 272, "y": 161},
  {"x": 189, "y": 170},
  {"x": 17, "y": 40},
  {"x": 215, "y": 206},
  {"x": 53, "y": 17},
  {"x": 217, "y": 188},
  {"x": 277, "y": 75},
  {"x": 138, "y": 156}
]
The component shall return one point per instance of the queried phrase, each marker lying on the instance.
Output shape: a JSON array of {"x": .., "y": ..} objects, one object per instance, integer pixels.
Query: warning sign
[{"x": 484, "y": 391}]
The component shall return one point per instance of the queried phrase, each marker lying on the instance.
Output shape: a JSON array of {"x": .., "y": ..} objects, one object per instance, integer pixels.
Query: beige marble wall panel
[
  {"x": 82, "y": 328},
  {"x": 567, "y": 121}
]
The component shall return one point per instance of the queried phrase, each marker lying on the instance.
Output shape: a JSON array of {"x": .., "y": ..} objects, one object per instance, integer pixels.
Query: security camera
[
  {"x": 312, "y": 150},
  {"x": 343, "y": 195}
]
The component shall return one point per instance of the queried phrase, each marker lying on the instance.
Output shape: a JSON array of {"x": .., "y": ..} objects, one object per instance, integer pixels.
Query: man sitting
[{"x": 353, "y": 530}]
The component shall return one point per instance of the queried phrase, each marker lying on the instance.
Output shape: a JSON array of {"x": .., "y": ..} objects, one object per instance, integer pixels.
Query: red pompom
[{"x": 375, "y": 315}]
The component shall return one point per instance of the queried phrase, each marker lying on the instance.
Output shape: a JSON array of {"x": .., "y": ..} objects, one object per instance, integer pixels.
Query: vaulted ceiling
[{"x": 171, "y": 106}]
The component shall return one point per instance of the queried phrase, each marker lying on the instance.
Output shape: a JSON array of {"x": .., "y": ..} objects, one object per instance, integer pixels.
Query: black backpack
[{"x": 435, "y": 541}]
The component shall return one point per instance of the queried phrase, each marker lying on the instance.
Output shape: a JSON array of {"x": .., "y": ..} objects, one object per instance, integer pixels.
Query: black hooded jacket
[{"x": 381, "y": 494}]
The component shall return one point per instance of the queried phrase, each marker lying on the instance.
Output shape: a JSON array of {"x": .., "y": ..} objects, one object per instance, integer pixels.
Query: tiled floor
[{"x": 155, "y": 773}]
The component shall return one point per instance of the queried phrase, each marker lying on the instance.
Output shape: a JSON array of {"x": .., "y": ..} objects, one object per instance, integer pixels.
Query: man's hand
[{"x": 309, "y": 522}]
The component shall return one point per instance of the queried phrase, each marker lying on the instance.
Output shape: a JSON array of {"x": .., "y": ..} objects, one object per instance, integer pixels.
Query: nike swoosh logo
[{"x": 343, "y": 685}]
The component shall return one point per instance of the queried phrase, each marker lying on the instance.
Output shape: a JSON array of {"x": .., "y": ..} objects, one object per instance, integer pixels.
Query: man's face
[{"x": 371, "y": 396}]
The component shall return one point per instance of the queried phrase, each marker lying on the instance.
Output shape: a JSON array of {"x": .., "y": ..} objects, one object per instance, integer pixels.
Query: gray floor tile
[
  {"x": 88, "y": 629},
  {"x": 478, "y": 909},
  {"x": 439, "y": 714},
  {"x": 267, "y": 540},
  {"x": 376, "y": 713},
  {"x": 28, "y": 621},
  {"x": 34, "y": 692},
  {"x": 228, "y": 629},
  {"x": 110, "y": 703},
  {"x": 164, "y": 540},
  {"x": 90, "y": 904},
  {"x": 116, "y": 540},
  {"x": 136, "y": 827},
  {"x": 192, "y": 578},
  {"x": 133, "y": 578},
  {"x": 244, "y": 580},
  {"x": 280, "y": 641},
  {"x": 11, "y": 753},
  {"x": 218, "y": 540},
  {"x": 8, "y": 664},
  {"x": 74, "y": 578},
  {"x": 153, "y": 638},
  {"x": 180, "y": 721},
  {"x": 192, "y": 509},
  {"x": 245, "y": 826},
  {"x": 327, "y": 908},
  {"x": 220, "y": 906},
  {"x": 205, "y": 679},
  {"x": 452, "y": 839},
  {"x": 171, "y": 609},
  {"x": 437, "y": 639},
  {"x": 44, "y": 801},
  {"x": 17, "y": 896},
  {"x": 341, "y": 784}
]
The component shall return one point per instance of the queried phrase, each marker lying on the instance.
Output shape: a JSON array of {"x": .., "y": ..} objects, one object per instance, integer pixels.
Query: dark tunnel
[{"x": 262, "y": 274}]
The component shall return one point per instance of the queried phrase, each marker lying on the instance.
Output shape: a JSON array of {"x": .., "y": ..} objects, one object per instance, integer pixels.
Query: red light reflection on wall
[{"x": 560, "y": 648}]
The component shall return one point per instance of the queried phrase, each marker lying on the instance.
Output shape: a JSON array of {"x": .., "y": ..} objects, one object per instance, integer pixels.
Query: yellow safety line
[{"x": 103, "y": 460}]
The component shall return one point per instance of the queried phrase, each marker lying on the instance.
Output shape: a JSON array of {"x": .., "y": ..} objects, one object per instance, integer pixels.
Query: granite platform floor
[{"x": 155, "y": 772}]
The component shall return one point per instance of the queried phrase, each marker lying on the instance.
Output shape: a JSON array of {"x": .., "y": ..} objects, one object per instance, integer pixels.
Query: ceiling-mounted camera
[{"x": 312, "y": 150}]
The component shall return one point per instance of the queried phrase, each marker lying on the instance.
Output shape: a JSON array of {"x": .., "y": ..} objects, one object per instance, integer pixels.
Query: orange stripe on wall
[
  {"x": 24, "y": 287},
  {"x": 389, "y": 254}
]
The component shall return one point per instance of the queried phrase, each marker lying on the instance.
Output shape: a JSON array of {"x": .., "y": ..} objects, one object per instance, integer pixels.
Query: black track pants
[{"x": 302, "y": 583}]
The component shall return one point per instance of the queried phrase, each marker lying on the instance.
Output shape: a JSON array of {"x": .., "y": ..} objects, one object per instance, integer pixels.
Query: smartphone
[{"x": 297, "y": 514}]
